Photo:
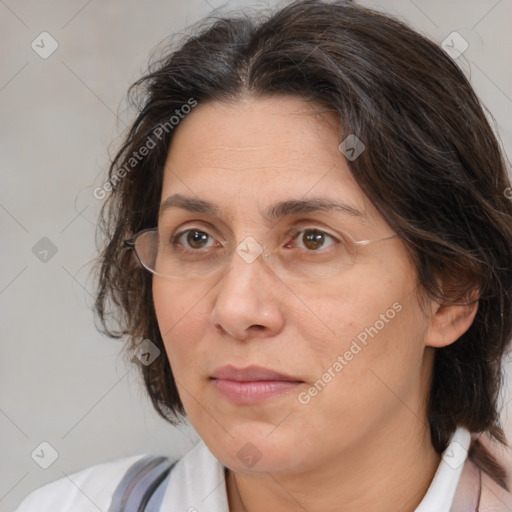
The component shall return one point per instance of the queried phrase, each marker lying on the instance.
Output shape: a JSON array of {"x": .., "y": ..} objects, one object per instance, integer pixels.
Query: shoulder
[
  {"x": 98, "y": 487},
  {"x": 476, "y": 490},
  {"x": 493, "y": 497},
  {"x": 87, "y": 490}
]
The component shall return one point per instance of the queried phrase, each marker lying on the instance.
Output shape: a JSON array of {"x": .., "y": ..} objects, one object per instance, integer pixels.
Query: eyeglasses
[{"x": 308, "y": 253}]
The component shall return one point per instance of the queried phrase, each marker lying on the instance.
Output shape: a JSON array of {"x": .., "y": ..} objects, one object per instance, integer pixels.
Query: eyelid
[
  {"x": 295, "y": 238},
  {"x": 315, "y": 225},
  {"x": 191, "y": 225},
  {"x": 175, "y": 239},
  {"x": 290, "y": 231}
]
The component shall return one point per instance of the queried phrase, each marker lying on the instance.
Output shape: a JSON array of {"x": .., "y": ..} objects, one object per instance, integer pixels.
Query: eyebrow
[
  {"x": 274, "y": 212},
  {"x": 310, "y": 205},
  {"x": 189, "y": 203}
]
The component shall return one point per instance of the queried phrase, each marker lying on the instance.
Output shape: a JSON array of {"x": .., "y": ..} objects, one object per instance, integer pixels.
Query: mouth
[{"x": 251, "y": 385}]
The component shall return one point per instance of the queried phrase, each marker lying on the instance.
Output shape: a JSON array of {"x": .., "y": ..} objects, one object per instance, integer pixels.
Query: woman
[{"x": 323, "y": 274}]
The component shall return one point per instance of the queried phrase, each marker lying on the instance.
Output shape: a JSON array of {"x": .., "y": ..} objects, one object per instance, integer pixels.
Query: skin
[{"x": 364, "y": 440}]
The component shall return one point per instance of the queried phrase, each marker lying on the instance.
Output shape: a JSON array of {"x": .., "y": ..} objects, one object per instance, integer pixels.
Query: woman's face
[{"x": 353, "y": 343}]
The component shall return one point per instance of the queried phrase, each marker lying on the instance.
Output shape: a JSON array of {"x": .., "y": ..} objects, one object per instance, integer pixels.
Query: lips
[
  {"x": 251, "y": 373},
  {"x": 252, "y": 385}
]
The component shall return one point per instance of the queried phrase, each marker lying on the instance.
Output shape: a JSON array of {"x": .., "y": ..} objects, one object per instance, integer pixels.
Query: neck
[{"x": 392, "y": 471}]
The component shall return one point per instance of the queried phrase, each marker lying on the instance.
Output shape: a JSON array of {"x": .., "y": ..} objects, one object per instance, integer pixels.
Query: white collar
[
  {"x": 197, "y": 481},
  {"x": 441, "y": 492}
]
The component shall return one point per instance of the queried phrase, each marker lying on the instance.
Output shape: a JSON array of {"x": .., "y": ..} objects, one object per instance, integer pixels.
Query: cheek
[
  {"x": 182, "y": 320},
  {"x": 335, "y": 313},
  {"x": 372, "y": 320},
  {"x": 378, "y": 355}
]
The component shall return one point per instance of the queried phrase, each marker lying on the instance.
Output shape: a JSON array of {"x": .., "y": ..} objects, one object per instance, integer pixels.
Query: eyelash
[{"x": 293, "y": 234}]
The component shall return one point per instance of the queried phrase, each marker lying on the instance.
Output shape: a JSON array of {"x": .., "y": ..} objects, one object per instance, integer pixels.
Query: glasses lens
[
  {"x": 314, "y": 257},
  {"x": 146, "y": 245},
  {"x": 190, "y": 257},
  {"x": 196, "y": 254}
]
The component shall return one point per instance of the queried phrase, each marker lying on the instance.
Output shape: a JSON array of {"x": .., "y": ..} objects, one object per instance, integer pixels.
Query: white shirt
[{"x": 197, "y": 484}]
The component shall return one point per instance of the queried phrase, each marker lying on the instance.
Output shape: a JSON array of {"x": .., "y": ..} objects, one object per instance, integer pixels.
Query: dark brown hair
[{"x": 432, "y": 167}]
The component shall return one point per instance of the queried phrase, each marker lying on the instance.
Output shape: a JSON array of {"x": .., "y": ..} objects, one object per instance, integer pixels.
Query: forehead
[
  {"x": 260, "y": 152},
  {"x": 242, "y": 135}
]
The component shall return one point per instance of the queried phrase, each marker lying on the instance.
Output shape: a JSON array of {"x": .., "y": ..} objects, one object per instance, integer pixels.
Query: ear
[{"x": 449, "y": 322}]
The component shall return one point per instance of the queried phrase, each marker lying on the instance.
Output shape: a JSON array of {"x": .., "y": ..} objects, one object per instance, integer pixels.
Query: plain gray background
[{"x": 61, "y": 381}]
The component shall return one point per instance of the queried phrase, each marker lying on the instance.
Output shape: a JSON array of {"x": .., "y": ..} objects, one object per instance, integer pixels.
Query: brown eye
[
  {"x": 196, "y": 239},
  {"x": 313, "y": 239}
]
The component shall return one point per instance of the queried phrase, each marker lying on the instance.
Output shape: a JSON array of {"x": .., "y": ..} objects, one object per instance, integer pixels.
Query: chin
[{"x": 254, "y": 453}]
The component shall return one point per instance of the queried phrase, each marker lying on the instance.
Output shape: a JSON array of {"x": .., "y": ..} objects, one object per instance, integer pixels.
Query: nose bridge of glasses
[{"x": 241, "y": 255}]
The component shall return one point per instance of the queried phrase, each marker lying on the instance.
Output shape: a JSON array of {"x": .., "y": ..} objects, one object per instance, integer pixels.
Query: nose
[{"x": 247, "y": 302}]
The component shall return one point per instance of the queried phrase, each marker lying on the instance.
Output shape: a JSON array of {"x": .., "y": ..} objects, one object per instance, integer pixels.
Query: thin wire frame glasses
[{"x": 194, "y": 253}]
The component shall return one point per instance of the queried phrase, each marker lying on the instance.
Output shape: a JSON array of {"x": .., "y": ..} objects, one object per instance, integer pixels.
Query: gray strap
[
  {"x": 142, "y": 486},
  {"x": 155, "y": 500}
]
